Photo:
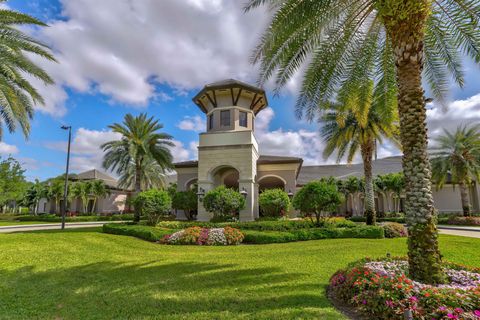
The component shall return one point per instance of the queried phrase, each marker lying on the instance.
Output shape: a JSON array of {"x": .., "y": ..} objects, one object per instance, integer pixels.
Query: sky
[{"x": 132, "y": 56}]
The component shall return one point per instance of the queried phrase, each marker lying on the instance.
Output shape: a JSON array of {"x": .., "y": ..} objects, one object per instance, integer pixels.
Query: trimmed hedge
[
  {"x": 279, "y": 225},
  {"x": 440, "y": 220},
  {"x": 55, "y": 218},
  {"x": 255, "y": 236},
  {"x": 139, "y": 231}
]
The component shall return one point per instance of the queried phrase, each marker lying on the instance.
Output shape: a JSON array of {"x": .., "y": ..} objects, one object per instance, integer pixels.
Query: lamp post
[
  {"x": 65, "y": 191},
  {"x": 244, "y": 192},
  {"x": 200, "y": 193}
]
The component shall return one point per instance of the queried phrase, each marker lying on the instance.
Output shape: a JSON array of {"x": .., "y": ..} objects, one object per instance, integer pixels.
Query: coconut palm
[
  {"x": 357, "y": 124},
  {"x": 81, "y": 190},
  {"x": 407, "y": 39},
  {"x": 456, "y": 157},
  {"x": 98, "y": 190},
  {"x": 142, "y": 152},
  {"x": 55, "y": 192},
  {"x": 17, "y": 95},
  {"x": 354, "y": 187}
]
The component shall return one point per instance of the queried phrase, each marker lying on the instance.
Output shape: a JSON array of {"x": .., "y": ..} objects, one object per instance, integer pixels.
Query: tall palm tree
[
  {"x": 357, "y": 124},
  {"x": 407, "y": 39},
  {"x": 55, "y": 192},
  {"x": 98, "y": 190},
  {"x": 17, "y": 95},
  {"x": 82, "y": 190},
  {"x": 456, "y": 157},
  {"x": 143, "y": 149}
]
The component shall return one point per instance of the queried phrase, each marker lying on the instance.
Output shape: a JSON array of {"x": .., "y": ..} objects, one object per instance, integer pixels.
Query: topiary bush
[
  {"x": 274, "y": 203},
  {"x": 223, "y": 202},
  {"x": 318, "y": 199},
  {"x": 394, "y": 230},
  {"x": 186, "y": 201},
  {"x": 205, "y": 236},
  {"x": 153, "y": 204}
]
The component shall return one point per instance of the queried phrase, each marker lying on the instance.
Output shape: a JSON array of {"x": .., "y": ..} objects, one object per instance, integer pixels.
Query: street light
[
  {"x": 200, "y": 193},
  {"x": 290, "y": 194},
  {"x": 65, "y": 191},
  {"x": 244, "y": 192}
]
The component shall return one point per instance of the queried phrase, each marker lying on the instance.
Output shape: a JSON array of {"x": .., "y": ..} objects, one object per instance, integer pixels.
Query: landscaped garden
[{"x": 89, "y": 274}]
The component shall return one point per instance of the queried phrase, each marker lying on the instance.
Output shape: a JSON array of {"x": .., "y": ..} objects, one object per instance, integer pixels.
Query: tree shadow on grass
[{"x": 162, "y": 291}]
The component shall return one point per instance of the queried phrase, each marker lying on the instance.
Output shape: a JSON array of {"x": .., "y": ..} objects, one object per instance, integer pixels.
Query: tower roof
[{"x": 233, "y": 88}]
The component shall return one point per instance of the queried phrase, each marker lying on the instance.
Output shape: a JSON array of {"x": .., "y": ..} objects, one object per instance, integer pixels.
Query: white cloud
[
  {"x": 184, "y": 44},
  {"x": 7, "y": 149},
  {"x": 195, "y": 123}
]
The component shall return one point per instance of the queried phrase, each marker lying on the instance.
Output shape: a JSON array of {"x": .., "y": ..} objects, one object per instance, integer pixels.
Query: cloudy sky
[{"x": 131, "y": 56}]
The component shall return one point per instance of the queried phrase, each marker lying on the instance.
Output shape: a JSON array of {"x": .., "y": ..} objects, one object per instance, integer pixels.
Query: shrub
[
  {"x": 382, "y": 290},
  {"x": 465, "y": 221},
  {"x": 138, "y": 231},
  {"x": 186, "y": 201},
  {"x": 394, "y": 230},
  {"x": 55, "y": 218},
  {"x": 205, "y": 236},
  {"x": 274, "y": 203},
  {"x": 153, "y": 204},
  {"x": 223, "y": 202},
  {"x": 319, "y": 199}
]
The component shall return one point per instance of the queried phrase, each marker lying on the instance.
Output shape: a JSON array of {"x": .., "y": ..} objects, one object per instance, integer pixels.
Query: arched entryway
[
  {"x": 271, "y": 182},
  {"x": 227, "y": 176}
]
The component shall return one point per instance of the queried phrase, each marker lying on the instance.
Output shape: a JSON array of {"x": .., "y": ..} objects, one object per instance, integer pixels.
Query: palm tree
[
  {"x": 362, "y": 120},
  {"x": 55, "y": 192},
  {"x": 391, "y": 185},
  {"x": 456, "y": 157},
  {"x": 354, "y": 187},
  {"x": 98, "y": 190},
  {"x": 142, "y": 151},
  {"x": 81, "y": 190},
  {"x": 17, "y": 95},
  {"x": 406, "y": 39}
]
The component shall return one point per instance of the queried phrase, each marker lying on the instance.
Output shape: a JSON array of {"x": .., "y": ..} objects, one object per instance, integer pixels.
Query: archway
[
  {"x": 271, "y": 182},
  {"x": 191, "y": 184},
  {"x": 227, "y": 176}
]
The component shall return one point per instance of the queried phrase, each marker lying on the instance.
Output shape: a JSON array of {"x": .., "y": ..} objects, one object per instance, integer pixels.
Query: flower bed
[
  {"x": 464, "y": 221},
  {"x": 382, "y": 289},
  {"x": 205, "y": 236}
]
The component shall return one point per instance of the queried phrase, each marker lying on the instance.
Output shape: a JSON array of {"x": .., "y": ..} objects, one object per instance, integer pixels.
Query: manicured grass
[
  {"x": 90, "y": 275},
  {"x": 20, "y": 223}
]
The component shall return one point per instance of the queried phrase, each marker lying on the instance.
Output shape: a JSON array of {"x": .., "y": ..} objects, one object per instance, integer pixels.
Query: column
[
  {"x": 204, "y": 215},
  {"x": 251, "y": 206}
]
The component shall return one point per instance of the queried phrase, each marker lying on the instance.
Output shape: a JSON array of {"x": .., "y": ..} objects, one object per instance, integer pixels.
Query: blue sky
[{"x": 122, "y": 56}]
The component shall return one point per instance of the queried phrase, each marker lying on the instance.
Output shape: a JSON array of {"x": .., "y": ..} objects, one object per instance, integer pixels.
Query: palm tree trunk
[
  {"x": 465, "y": 199},
  {"x": 138, "y": 189},
  {"x": 94, "y": 203},
  {"x": 367, "y": 149},
  {"x": 407, "y": 39}
]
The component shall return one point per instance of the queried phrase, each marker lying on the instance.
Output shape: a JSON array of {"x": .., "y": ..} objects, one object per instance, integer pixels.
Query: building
[
  {"x": 228, "y": 154},
  {"x": 114, "y": 202}
]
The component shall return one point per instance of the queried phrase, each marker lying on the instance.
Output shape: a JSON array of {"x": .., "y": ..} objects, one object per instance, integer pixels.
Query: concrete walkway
[
  {"x": 53, "y": 226},
  {"x": 463, "y": 231}
]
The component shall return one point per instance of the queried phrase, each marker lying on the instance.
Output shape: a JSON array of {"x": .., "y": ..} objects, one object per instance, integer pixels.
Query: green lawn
[
  {"x": 84, "y": 274},
  {"x": 21, "y": 223}
]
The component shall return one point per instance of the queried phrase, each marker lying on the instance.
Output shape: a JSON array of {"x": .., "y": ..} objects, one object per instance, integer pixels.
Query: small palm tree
[
  {"x": 81, "y": 190},
  {"x": 98, "y": 190},
  {"x": 142, "y": 152},
  {"x": 17, "y": 95},
  {"x": 361, "y": 120},
  {"x": 456, "y": 157},
  {"x": 55, "y": 192}
]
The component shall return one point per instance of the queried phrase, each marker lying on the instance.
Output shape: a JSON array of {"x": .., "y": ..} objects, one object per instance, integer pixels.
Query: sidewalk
[
  {"x": 463, "y": 231},
  {"x": 54, "y": 226}
]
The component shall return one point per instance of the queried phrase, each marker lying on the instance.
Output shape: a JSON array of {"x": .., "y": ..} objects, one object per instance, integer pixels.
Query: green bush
[
  {"x": 253, "y": 236},
  {"x": 279, "y": 225},
  {"x": 274, "y": 203},
  {"x": 318, "y": 199},
  {"x": 223, "y": 202},
  {"x": 392, "y": 219},
  {"x": 153, "y": 204},
  {"x": 394, "y": 230},
  {"x": 186, "y": 201},
  {"x": 263, "y": 237},
  {"x": 139, "y": 231}
]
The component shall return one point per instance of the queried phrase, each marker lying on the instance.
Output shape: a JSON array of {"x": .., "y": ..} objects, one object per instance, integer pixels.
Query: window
[
  {"x": 210, "y": 122},
  {"x": 225, "y": 118},
  {"x": 243, "y": 119}
]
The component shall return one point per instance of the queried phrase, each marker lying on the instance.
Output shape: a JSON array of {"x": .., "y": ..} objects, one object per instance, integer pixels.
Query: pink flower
[
  {"x": 452, "y": 316},
  {"x": 477, "y": 313},
  {"x": 458, "y": 310},
  {"x": 413, "y": 298},
  {"x": 364, "y": 301},
  {"x": 442, "y": 308}
]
